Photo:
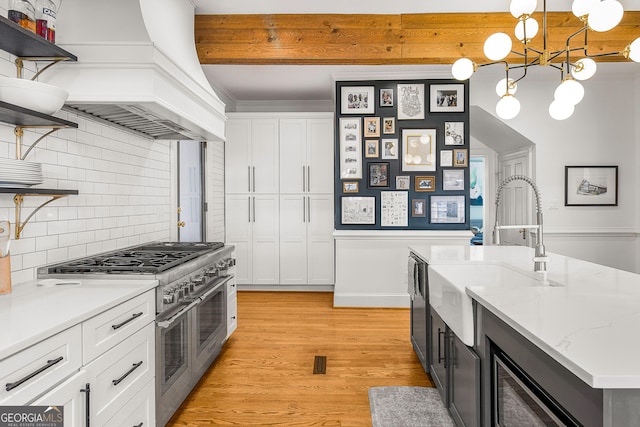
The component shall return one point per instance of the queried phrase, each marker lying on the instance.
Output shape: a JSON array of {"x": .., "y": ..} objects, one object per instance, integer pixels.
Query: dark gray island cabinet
[
  {"x": 455, "y": 370},
  {"x": 523, "y": 385}
]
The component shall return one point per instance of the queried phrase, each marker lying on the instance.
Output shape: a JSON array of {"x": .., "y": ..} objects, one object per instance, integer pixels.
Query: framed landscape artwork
[{"x": 591, "y": 185}]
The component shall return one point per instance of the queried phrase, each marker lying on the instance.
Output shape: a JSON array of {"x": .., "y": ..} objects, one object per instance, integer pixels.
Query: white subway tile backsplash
[
  {"x": 34, "y": 259},
  {"x": 47, "y": 242},
  {"x": 57, "y": 255}
]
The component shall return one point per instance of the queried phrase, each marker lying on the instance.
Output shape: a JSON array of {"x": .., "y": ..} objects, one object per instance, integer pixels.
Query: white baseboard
[
  {"x": 286, "y": 288},
  {"x": 371, "y": 300}
]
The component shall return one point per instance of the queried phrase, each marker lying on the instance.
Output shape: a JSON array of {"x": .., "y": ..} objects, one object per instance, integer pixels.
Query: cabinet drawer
[
  {"x": 102, "y": 332},
  {"x": 140, "y": 410},
  {"x": 30, "y": 372},
  {"x": 71, "y": 395},
  {"x": 118, "y": 374}
]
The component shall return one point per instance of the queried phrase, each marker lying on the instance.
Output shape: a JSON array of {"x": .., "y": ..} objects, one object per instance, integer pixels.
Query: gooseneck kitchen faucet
[{"x": 540, "y": 258}]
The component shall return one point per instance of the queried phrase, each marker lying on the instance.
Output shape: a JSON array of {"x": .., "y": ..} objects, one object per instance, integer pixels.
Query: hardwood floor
[{"x": 264, "y": 375}]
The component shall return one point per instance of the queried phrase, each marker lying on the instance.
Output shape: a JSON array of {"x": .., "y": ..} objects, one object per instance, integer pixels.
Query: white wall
[{"x": 602, "y": 131}]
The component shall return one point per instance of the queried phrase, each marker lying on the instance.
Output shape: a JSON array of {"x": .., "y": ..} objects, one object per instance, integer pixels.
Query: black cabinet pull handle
[
  {"x": 133, "y": 317},
  {"x": 138, "y": 425},
  {"x": 440, "y": 358},
  {"x": 50, "y": 363},
  {"x": 87, "y": 399},
  {"x": 119, "y": 380}
]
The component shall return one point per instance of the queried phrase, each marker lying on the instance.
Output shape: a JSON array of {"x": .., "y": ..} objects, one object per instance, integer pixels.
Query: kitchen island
[{"x": 580, "y": 317}]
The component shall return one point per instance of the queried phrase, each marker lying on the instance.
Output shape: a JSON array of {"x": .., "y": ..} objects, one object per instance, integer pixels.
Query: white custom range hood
[{"x": 137, "y": 67}]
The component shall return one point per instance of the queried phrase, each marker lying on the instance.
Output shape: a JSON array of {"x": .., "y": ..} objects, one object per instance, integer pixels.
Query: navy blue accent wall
[{"x": 433, "y": 120}]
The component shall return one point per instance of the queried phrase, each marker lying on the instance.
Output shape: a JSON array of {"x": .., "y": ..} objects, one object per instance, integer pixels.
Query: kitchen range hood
[{"x": 137, "y": 67}]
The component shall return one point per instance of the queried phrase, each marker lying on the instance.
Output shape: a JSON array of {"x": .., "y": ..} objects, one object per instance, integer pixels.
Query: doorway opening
[{"x": 191, "y": 189}]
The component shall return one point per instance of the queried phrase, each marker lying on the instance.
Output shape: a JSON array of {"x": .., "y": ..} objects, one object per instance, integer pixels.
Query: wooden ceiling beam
[{"x": 383, "y": 39}]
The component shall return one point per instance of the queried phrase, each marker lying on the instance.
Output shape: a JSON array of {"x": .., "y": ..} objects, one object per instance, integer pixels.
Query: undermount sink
[{"x": 447, "y": 295}]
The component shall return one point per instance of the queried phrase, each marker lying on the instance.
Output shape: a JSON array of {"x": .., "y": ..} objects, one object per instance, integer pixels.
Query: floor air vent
[{"x": 320, "y": 365}]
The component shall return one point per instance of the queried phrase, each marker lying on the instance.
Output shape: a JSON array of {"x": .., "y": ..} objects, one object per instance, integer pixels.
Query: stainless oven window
[
  {"x": 211, "y": 316},
  {"x": 174, "y": 351}
]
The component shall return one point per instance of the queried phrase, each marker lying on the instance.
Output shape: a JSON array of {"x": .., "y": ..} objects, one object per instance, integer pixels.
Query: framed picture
[
  {"x": 453, "y": 133},
  {"x": 371, "y": 126},
  {"x": 460, "y": 158},
  {"x": 386, "y": 97},
  {"x": 425, "y": 183},
  {"x": 350, "y": 148},
  {"x": 418, "y": 208},
  {"x": 591, "y": 185},
  {"x": 446, "y": 158},
  {"x": 394, "y": 208},
  {"x": 446, "y": 98},
  {"x": 389, "y": 148},
  {"x": 418, "y": 150},
  {"x": 357, "y": 100},
  {"x": 350, "y": 187},
  {"x": 389, "y": 125},
  {"x": 410, "y": 101},
  {"x": 379, "y": 174},
  {"x": 447, "y": 209},
  {"x": 371, "y": 148},
  {"x": 403, "y": 182},
  {"x": 358, "y": 210},
  {"x": 453, "y": 179}
]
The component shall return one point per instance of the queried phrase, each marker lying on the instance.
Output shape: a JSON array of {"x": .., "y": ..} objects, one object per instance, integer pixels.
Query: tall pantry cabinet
[{"x": 279, "y": 198}]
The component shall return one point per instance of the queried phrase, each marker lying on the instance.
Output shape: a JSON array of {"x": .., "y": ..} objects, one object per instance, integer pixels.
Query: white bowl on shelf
[{"x": 41, "y": 97}]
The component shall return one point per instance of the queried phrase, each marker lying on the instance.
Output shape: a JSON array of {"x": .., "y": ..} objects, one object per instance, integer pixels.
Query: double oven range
[{"x": 191, "y": 306}]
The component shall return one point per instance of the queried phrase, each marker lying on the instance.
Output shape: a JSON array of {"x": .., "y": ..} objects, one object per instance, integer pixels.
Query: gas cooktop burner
[{"x": 149, "y": 258}]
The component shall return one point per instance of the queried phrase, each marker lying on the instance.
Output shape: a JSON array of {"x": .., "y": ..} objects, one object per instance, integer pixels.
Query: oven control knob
[
  {"x": 167, "y": 297},
  {"x": 198, "y": 281},
  {"x": 191, "y": 286},
  {"x": 212, "y": 272}
]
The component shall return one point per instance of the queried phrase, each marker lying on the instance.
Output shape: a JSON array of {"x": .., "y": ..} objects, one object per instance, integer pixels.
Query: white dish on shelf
[{"x": 33, "y": 95}]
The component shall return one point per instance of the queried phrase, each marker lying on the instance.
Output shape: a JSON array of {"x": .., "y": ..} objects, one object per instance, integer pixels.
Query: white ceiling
[{"x": 248, "y": 83}]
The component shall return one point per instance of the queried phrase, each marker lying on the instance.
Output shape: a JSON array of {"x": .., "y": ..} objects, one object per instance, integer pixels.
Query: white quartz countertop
[
  {"x": 588, "y": 321},
  {"x": 31, "y": 313}
]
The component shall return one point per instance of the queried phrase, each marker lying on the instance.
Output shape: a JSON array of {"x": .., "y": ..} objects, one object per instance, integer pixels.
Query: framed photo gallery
[{"x": 402, "y": 154}]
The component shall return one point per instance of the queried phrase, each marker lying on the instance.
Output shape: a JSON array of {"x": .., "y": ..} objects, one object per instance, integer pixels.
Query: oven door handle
[
  {"x": 168, "y": 322},
  {"x": 206, "y": 294}
]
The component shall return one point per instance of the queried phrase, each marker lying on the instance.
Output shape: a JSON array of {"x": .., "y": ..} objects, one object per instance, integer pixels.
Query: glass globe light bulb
[
  {"x": 462, "y": 69},
  {"x": 522, "y": 7},
  {"x": 531, "y": 26},
  {"x": 581, "y": 8},
  {"x": 569, "y": 91},
  {"x": 605, "y": 15},
  {"x": 508, "y": 107},
  {"x": 502, "y": 90},
  {"x": 561, "y": 110},
  {"x": 497, "y": 46},
  {"x": 584, "y": 69},
  {"x": 417, "y": 160},
  {"x": 634, "y": 50}
]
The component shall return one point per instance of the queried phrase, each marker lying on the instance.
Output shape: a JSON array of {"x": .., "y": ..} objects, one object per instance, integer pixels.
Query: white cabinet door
[
  {"x": 293, "y": 239},
  {"x": 266, "y": 229},
  {"x": 251, "y": 156},
  {"x": 306, "y": 239},
  {"x": 264, "y": 156},
  {"x": 320, "y": 248},
  {"x": 293, "y": 156},
  {"x": 320, "y": 156},
  {"x": 238, "y": 156},
  {"x": 72, "y": 396},
  {"x": 239, "y": 233}
]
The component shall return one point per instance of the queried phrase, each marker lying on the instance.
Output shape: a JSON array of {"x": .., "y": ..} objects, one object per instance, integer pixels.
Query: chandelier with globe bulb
[{"x": 597, "y": 15}]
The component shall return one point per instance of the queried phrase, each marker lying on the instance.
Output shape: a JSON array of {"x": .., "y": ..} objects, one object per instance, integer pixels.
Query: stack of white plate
[{"x": 18, "y": 173}]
